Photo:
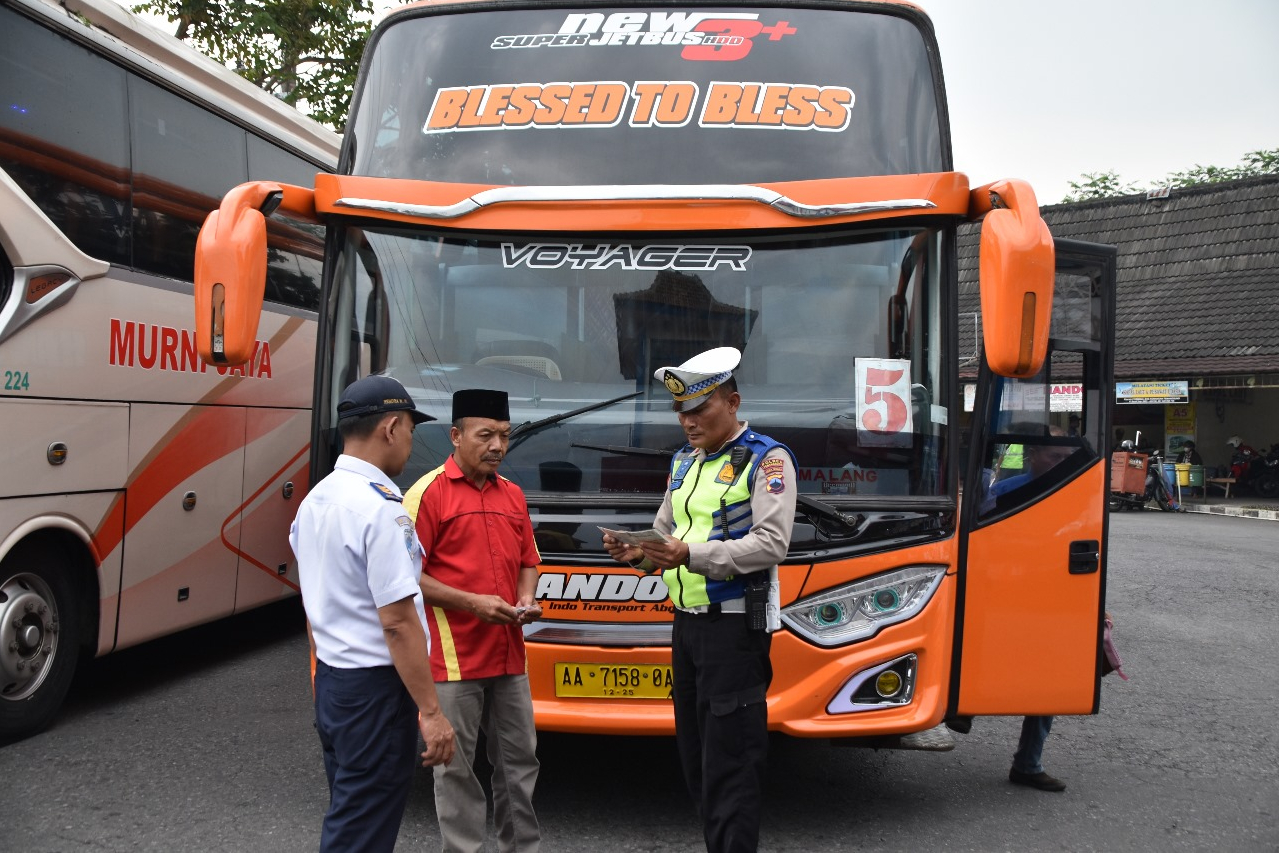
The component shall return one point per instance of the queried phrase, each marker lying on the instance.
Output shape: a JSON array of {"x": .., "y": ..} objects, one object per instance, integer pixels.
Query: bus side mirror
[
  {"x": 230, "y": 274},
  {"x": 1017, "y": 269}
]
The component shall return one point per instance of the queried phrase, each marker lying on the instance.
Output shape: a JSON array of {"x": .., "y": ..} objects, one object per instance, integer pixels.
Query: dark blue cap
[{"x": 374, "y": 395}]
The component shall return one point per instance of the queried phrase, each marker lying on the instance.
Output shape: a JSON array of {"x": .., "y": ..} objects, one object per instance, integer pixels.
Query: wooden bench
[{"x": 1221, "y": 482}]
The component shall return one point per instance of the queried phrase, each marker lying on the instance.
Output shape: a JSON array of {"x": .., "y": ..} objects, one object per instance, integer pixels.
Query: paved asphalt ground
[{"x": 203, "y": 742}]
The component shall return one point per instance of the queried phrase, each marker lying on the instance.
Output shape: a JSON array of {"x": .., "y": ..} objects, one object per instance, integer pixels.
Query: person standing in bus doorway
[
  {"x": 1040, "y": 458},
  {"x": 728, "y": 514},
  {"x": 359, "y": 563},
  {"x": 479, "y": 576},
  {"x": 1027, "y": 768}
]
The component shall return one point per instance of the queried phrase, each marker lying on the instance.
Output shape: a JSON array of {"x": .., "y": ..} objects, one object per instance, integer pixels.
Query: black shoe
[
  {"x": 963, "y": 725},
  {"x": 1041, "y": 780}
]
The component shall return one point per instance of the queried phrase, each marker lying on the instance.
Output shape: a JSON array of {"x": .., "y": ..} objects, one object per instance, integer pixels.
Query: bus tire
[{"x": 40, "y": 627}]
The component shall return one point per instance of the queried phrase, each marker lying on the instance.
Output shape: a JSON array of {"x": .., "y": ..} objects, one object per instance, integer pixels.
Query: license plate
[{"x": 613, "y": 681}]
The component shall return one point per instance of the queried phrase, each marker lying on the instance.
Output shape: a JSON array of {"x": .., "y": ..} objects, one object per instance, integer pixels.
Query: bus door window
[{"x": 1046, "y": 427}]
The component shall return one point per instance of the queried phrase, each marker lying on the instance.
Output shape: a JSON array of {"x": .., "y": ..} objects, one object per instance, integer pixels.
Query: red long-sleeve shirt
[{"x": 476, "y": 540}]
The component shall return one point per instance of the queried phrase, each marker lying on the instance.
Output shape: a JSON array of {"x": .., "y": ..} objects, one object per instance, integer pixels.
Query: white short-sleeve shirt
[{"x": 357, "y": 551}]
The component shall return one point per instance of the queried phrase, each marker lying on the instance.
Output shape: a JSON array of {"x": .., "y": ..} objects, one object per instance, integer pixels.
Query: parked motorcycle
[
  {"x": 1262, "y": 476},
  {"x": 1241, "y": 458},
  {"x": 1253, "y": 472},
  {"x": 1137, "y": 478}
]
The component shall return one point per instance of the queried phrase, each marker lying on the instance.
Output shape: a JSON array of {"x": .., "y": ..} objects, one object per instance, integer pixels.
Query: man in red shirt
[{"x": 479, "y": 576}]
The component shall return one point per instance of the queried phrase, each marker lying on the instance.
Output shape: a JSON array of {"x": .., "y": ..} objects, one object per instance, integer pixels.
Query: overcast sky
[{"x": 1049, "y": 91}]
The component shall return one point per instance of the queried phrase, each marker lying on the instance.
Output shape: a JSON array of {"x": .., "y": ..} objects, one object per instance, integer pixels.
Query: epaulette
[{"x": 385, "y": 491}]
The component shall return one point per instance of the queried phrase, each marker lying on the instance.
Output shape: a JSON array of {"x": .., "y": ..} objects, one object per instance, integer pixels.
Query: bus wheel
[{"x": 39, "y": 643}]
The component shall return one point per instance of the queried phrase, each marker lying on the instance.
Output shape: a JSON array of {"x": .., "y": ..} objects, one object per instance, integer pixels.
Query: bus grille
[{"x": 597, "y": 634}]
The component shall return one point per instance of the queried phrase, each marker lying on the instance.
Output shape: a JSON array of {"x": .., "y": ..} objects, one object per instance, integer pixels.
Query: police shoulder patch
[
  {"x": 385, "y": 491},
  {"x": 774, "y": 475}
]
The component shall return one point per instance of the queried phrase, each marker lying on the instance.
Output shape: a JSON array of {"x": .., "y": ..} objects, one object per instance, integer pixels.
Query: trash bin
[
  {"x": 1183, "y": 473},
  {"x": 1196, "y": 476},
  {"x": 1170, "y": 475}
]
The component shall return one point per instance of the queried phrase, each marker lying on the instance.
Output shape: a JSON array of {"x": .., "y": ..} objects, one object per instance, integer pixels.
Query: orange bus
[
  {"x": 554, "y": 200},
  {"x": 143, "y": 491}
]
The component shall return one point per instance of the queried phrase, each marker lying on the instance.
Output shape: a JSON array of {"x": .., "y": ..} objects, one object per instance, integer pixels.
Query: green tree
[
  {"x": 1254, "y": 163},
  {"x": 1108, "y": 184},
  {"x": 1094, "y": 185},
  {"x": 304, "y": 52}
]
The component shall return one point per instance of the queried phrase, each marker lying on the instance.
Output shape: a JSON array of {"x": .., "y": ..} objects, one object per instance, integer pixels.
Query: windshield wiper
[
  {"x": 529, "y": 427},
  {"x": 848, "y": 520},
  {"x": 625, "y": 451}
]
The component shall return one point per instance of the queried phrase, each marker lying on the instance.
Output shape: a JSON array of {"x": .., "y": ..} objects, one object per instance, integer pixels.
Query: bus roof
[
  {"x": 489, "y": 3},
  {"x": 489, "y": 6},
  {"x": 116, "y": 32}
]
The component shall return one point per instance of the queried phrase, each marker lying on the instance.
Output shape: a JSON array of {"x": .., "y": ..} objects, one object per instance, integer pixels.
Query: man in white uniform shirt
[{"x": 360, "y": 562}]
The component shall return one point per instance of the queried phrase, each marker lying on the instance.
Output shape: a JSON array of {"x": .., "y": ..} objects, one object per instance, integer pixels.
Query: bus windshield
[
  {"x": 584, "y": 97},
  {"x": 842, "y": 342}
]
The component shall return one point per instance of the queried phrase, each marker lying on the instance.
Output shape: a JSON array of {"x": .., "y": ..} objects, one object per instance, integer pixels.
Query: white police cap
[{"x": 693, "y": 382}]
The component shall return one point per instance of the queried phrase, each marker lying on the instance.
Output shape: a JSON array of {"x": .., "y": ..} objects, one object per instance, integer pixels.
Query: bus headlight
[{"x": 858, "y": 610}]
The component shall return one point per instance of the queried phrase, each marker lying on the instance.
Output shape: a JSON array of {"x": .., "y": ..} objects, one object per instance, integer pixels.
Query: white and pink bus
[{"x": 142, "y": 491}]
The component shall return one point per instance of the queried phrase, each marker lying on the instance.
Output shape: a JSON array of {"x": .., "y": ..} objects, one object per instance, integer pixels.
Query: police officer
[
  {"x": 359, "y": 562},
  {"x": 728, "y": 511}
]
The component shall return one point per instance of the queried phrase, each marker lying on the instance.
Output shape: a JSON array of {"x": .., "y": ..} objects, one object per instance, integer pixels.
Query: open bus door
[{"x": 1033, "y": 556}]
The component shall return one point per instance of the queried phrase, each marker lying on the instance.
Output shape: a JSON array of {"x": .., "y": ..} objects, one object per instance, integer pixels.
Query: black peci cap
[
  {"x": 374, "y": 395},
  {"x": 481, "y": 403}
]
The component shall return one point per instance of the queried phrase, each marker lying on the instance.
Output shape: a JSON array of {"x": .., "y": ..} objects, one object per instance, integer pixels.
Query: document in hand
[{"x": 638, "y": 537}]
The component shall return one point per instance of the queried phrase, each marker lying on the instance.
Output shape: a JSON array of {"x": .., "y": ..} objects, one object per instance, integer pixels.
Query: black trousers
[
  {"x": 721, "y": 672},
  {"x": 367, "y": 724}
]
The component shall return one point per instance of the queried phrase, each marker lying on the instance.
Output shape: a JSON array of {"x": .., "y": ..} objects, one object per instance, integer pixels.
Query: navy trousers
[
  {"x": 721, "y": 672},
  {"x": 367, "y": 724}
]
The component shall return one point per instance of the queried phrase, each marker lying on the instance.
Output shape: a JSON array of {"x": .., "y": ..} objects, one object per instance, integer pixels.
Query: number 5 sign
[{"x": 883, "y": 402}]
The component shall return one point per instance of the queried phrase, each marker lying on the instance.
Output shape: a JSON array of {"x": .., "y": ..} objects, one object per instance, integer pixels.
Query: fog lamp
[
  {"x": 888, "y": 684},
  {"x": 885, "y": 685}
]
